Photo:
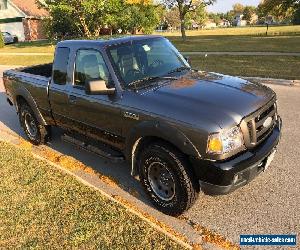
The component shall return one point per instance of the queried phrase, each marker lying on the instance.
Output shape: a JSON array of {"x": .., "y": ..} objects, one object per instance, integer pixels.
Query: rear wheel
[
  {"x": 167, "y": 179},
  {"x": 35, "y": 132}
]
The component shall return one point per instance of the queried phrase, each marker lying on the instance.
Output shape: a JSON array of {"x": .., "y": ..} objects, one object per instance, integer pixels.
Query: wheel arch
[
  {"x": 23, "y": 95},
  {"x": 149, "y": 132}
]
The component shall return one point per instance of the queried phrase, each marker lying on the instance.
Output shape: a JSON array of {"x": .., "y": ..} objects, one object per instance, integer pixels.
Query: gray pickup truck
[{"x": 137, "y": 99}]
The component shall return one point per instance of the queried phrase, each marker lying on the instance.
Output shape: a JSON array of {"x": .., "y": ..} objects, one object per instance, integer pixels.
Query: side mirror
[{"x": 98, "y": 87}]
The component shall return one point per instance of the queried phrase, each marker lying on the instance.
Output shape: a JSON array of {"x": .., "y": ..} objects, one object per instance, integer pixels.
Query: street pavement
[{"x": 268, "y": 205}]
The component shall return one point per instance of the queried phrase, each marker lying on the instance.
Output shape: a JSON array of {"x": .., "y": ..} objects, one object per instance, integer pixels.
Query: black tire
[
  {"x": 160, "y": 159},
  {"x": 36, "y": 133}
]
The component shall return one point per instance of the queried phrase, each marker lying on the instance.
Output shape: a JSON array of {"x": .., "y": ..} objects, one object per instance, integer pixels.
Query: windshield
[{"x": 144, "y": 59}]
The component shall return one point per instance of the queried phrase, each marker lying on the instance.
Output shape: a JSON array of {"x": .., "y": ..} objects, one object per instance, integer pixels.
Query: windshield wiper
[
  {"x": 150, "y": 78},
  {"x": 179, "y": 69}
]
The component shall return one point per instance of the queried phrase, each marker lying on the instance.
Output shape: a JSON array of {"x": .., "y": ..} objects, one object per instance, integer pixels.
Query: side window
[
  {"x": 127, "y": 62},
  {"x": 89, "y": 65},
  {"x": 60, "y": 67}
]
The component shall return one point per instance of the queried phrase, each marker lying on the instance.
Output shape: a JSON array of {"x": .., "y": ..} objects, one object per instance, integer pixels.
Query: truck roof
[{"x": 104, "y": 43}]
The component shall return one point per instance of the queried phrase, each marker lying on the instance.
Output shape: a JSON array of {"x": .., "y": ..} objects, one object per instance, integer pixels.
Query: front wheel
[
  {"x": 35, "y": 132},
  {"x": 167, "y": 179}
]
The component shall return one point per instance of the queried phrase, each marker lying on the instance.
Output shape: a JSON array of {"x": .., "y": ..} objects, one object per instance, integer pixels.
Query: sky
[{"x": 226, "y": 5}]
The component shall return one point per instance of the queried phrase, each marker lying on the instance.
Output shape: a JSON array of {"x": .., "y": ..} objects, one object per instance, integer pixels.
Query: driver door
[{"x": 95, "y": 115}]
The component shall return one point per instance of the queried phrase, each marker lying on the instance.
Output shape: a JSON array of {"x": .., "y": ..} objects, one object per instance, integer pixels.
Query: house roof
[{"x": 30, "y": 8}]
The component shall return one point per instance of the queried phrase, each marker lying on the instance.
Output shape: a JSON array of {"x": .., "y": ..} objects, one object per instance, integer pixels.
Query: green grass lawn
[
  {"x": 41, "y": 207},
  {"x": 238, "y": 43},
  {"x": 24, "y": 60},
  {"x": 279, "y": 39},
  {"x": 29, "y": 47},
  {"x": 241, "y": 31},
  {"x": 286, "y": 67}
]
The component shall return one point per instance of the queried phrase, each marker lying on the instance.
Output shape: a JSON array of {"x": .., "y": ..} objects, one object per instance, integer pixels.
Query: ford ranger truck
[{"x": 137, "y": 99}]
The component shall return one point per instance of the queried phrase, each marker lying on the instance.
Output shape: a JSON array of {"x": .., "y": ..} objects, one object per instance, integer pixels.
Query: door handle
[{"x": 72, "y": 99}]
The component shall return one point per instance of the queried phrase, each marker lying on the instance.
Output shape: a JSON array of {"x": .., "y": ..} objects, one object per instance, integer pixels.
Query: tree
[
  {"x": 216, "y": 17},
  {"x": 172, "y": 18},
  {"x": 161, "y": 13},
  {"x": 296, "y": 17},
  {"x": 97, "y": 14},
  {"x": 283, "y": 4},
  {"x": 61, "y": 23},
  {"x": 238, "y": 8},
  {"x": 200, "y": 16},
  {"x": 87, "y": 17},
  {"x": 281, "y": 9},
  {"x": 138, "y": 17},
  {"x": 83, "y": 17},
  {"x": 248, "y": 13},
  {"x": 185, "y": 7},
  {"x": 229, "y": 16}
]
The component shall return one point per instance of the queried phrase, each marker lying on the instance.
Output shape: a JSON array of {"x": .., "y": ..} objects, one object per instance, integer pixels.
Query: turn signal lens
[
  {"x": 226, "y": 141},
  {"x": 215, "y": 145}
]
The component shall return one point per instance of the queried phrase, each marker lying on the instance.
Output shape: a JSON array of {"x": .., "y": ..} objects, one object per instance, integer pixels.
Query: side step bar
[{"x": 101, "y": 150}]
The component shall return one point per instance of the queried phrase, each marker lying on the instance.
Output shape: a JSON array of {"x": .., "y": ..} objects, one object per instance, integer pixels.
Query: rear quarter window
[{"x": 60, "y": 66}]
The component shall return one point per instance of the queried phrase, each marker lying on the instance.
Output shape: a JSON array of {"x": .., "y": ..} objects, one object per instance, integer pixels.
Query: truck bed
[
  {"x": 40, "y": 70},
  {"x": 32, "y": 84}
]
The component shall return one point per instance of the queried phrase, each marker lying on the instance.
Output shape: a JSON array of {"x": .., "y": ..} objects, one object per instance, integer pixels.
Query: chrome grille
[{"x": 256, "y": 128}]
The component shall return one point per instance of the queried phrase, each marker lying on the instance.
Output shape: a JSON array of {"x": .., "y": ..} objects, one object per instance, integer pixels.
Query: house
[
  {"x": 254, "y": 19},
  {"x": 22, "y": 18},
  {"x": 224, "y": 23},
  {"x": 194, "y": 25},
  {"x": 210, "y": 24},
  {"x": 238, "y": 20}
]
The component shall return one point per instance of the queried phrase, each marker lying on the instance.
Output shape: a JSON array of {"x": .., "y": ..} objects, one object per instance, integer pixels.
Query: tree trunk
[
  {"x": 182, "y": 27},
  {"x": 86, "y": 30}
]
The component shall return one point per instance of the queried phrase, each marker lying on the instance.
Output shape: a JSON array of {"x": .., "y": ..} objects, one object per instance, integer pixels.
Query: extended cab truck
[{"x": 137, "y": 99}]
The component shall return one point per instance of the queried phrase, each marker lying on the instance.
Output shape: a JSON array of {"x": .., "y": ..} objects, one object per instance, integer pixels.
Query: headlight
[{"x": 226, "y": 141}]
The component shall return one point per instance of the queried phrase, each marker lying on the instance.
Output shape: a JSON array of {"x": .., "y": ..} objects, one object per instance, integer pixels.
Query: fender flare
[
  {"x": 25, "y": 94},
  {"x": 160, "y": 130}
]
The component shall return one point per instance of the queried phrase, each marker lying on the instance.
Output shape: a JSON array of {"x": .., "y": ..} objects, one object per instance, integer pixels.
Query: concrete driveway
[{"x": 268, "y": 205}]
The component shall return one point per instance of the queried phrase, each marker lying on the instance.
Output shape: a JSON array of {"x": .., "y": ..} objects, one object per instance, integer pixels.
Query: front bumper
[{"x": 223, "y": 177}]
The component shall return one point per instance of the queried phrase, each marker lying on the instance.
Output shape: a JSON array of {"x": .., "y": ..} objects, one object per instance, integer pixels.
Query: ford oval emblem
[{"x": 268, "y": 122}]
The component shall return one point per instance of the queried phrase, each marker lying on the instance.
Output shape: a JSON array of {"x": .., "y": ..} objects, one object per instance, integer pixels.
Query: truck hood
[{"x": 197, "y": 96}]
